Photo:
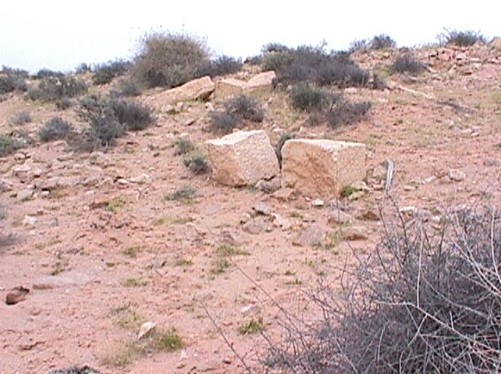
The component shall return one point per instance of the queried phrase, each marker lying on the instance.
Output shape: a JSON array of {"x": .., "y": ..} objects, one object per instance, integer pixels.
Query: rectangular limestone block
[
  {"x": 321, "y": 167},
  {"x": 242, "y": 158}
]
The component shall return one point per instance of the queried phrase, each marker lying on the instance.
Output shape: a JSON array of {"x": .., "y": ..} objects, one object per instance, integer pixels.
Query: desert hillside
[{"x": 108, "y": 235}]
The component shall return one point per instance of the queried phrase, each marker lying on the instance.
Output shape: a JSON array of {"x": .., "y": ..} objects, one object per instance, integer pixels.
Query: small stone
[
  {"x": 337, "y": 216},
  {"x": 29, "y": 221},
  {"x": 146, "y": 328},
  {"x": 313, "y": 235},
  {"x": 269, "y": 186},
  {"x": 353, "y": 233},
  {"x": 409, "y": 211},
  {"x": 356, "y": 195},
  {"x": 369, "y": 215},
  {"x": 21, "y": 170},
  {"x": 409, "y": 188},
  {"x": 24, "y": 195},
  {"x": 17, "y": 295},
  {"x": 284, "y": 194},
  {"x": 279, "y": 221},
  {"x": 360, "y": 186},
  {"x": 261, "y": 209},
  {"x": 123, "y": 182},
  {"x": 456, "y": 175},
  {"x": 6, "y": 185},
  {"x": 317, "y": 203},
  {"x": 19, "y": 156},
  {"x": 159, "y": 262},
  {"x": 245, "y": 217},
  {"x": 256, "y": 226},
  {"x": 379, "y": 172},
  {"x": 141, "y": 179}
]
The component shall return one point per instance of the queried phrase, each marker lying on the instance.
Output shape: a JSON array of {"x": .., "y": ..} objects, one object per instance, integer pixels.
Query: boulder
[
  {"x": 242, "y": 158},
  {"x": 198, "y": 89},
  {"x": 311, "y": 236},
  {"x": 259, "y": 83},
  {"x": 321, "y": 167},
  {"x": 495, "y": 43}
]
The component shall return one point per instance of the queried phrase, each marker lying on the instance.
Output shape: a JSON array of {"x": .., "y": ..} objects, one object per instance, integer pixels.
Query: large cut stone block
[
  {"x": 242, "y": 158},
  {"x": 321, "y": 167},
  {"x": 197, "y": 89}
]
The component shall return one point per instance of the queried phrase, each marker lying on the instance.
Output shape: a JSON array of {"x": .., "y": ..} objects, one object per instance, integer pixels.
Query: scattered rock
[
  {"x": 229, "y": 87},
  {"x": 380, "y": 171},
  {"x": 269, "y": 186},
  {"x": 456, "y": 175},
  {"x": 6, "y": 185},
  {"x": 257, "y": 226},
  {"x": 57, "y": 183},
  {"x": 279, "y": 221},
  {"x": 284, "y": 194},
  {"x": 159, "y": 262},
  {"x": 356, "y": 195},
  {"x": 24, "y": 195},
  {"x": 146, "y": 328},
  {"x": 321, "y": 167},
  {"x": 369, "y": 215},
  {"x": 495, "y": 43},
  {"x": 76, "y": 370},
  {"x": 198, "y": 89},
  {"x": 262, "y": 82},
  {"x": 141, "y": 179},
  {"x": 242, "y": 158},
  {"x": 29, "y": 221},
  {"x": 17, "y": 295},
  {"x": 313, "y": 235},
  {"x": 261, "y": 209},
  {"x": 353, "y": 233},
  {"x": 317, "y": 203},
  {"x": 337, "y": 216}
]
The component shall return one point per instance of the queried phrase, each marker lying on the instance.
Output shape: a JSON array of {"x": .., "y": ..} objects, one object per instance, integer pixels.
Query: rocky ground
[{"x": 102, "y": 249}]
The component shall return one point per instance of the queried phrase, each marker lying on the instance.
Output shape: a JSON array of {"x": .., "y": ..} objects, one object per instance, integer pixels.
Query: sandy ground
[{"x": 104, "y": 256}]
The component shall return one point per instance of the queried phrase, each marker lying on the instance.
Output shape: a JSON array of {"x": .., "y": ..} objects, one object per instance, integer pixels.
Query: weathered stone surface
[
  {"x": 320, "y": 167},
  {"x": 55, "y": 183},
  {"x": 495, "y": 43},
  {"x": 242, "y": 158},
  {"x": 313, "y": 235},
  {"x": 260, "y": 83},
  {"x": 198, "y": 89},
  {"x": 229, "y": 87},
  {"x": 337, "y": 216}
]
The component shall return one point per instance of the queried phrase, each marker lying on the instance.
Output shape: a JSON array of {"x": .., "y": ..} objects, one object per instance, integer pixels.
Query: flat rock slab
[
  {"x": 198, "y": 89},
  {"x": 242, "y": 158},
  {"x": 321, "y": 167},
  {"x": 262, "y": 82}
]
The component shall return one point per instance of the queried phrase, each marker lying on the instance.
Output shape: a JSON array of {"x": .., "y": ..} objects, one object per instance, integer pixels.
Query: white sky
[{"x": 60, "y": 35}]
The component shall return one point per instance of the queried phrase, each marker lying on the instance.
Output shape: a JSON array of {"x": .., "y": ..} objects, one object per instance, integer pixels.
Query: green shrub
[
  {"x": 53, "y": 88},
  {"x": 105, "y": 73},
  {"x": 347, "y": 113},
  {"x": 169, "y": 60},
  {"x": 309, "y": 98},
  {"x": 407, "y": 64},
  {"x": 461, "y": 38},
  {"x": 104, "y": 130},
  {"x": 46, "y": 73},
  {"x": 184, "y": 146},
  {"x": 13, "y": 80},
  {"x": 21, "y": 118},
  {"x": 197, "y": 163},
  {"x": 246, "y": 108},
  {"x": 314, "y": 65},
  {"x": 134, "y": 116},
  {"x": 55, "y": 129},
  {"x": 223, "y": 65},
  {"x": 222, "y": 122},
  {"x": 126, "y": 88},
  {"x": 359, "y": 45},
  {"x": 83, "y": 68},
  {"x": 382, "y": 41},
  {"x": 274, "y": 48},
  {"x": 9, "y": 144}
]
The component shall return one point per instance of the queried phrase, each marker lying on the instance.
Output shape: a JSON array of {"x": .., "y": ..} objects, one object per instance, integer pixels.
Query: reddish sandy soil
[{"x": 107, "y": 254}]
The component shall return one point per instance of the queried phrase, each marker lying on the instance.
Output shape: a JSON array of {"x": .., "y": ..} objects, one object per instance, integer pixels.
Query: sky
[{"x": 60, "y": 35}]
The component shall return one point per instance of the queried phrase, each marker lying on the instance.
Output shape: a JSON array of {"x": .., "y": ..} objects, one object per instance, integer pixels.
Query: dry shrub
[{"x": 424, "y": 301}]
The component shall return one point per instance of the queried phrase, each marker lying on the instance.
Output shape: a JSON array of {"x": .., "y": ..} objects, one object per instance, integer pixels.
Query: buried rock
[{"x": 17, "y": 295}]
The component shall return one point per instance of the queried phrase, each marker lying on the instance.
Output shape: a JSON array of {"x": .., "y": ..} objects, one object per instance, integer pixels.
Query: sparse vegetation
[
  {"x": 55, "y": 129},
  {"x": 21, "y": 118},
  {"x": 105, "y": 73},
  {"x": 197, "y": 163},
  {"x": 461, "y": 38},
  {"x": 12, "y": 80},
  {"x": 169, "y": 60},
  {"x": 407, "y": 64},
  {"x": 382, "y": 41},
  {"x": 186, "y": 194},
  {"x": 46, "y": 73},
  {"x": 421, "y": 303},
  {"x": 222, "y": 65},
  {"x": 126, "y": 88},
  {"x": 347, "y": 191},
  {"x": 133, "y": 116},
  {"x": 219, "y": 266},
  {"x": 132, "y": 252},
  {"x": 134, "y": 282},
  {"x": 183, "y": 147},
  {"x": 252, "y": 327},
  {"x": 236, "y": 111},
  {"x": 347, "y": 113},
  {"x": 9, "y": 144},
  {"x": 54, "y": 88},
  {"x": 309, "y": 98},
  {"x": 314, "y": 65},
  {"x": 169, "y": 341}
]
